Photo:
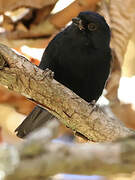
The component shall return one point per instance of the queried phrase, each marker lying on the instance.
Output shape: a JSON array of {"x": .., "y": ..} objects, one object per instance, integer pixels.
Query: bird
[{"x": 80, "y": 57}]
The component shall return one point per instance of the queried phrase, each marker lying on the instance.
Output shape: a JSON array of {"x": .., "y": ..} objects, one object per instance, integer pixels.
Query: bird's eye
[{"x": 92, "y": 27}]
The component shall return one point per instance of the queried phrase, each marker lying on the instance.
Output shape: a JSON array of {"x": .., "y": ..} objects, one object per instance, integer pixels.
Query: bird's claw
[
  {"x": 49, "y": 73},
  {"x": 94, "y": 106}
]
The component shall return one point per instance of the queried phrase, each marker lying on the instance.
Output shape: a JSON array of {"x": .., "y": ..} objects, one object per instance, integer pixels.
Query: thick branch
[
  {"x": 121, "y": 17},
  {"x": 39, "y": 157},
  {"x": 19, "y": 75}
]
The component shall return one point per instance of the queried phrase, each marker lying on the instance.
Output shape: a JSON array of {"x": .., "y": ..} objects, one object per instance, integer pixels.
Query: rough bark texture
[
  {"x": 20, "y": 75},
  {"x": 38, "y": 157}
]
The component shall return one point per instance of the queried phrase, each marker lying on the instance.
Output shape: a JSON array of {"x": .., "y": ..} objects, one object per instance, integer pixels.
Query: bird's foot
[
  {"x": 95, "y": 107},
  {"x": 49, "y": 73}
]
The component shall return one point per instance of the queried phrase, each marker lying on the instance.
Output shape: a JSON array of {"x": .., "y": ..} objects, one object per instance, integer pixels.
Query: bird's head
[{"x": 95, "y": 27}]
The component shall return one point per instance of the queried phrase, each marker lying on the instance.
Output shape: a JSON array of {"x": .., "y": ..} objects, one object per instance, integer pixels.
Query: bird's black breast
[{"x": 77, "y": 64}]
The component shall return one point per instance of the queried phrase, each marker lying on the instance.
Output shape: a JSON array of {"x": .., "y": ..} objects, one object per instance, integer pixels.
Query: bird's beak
[{"x": 78, "y": 22}]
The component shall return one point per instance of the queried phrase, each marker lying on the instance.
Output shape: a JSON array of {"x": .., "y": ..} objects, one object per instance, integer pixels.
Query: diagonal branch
[{"x": 19, "y": 75}]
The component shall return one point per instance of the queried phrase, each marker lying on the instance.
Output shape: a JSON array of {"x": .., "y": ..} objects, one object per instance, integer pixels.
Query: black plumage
[{"x": 80, "y": 58}]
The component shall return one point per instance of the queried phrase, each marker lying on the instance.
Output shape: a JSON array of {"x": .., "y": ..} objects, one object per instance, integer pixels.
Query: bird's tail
[{"x": 34, "y": 120}]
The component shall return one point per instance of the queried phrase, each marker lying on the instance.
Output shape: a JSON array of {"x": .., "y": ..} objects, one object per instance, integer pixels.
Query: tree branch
[
  {"x": 39, "y": 157},
  {"x": 20, "y": 75}
]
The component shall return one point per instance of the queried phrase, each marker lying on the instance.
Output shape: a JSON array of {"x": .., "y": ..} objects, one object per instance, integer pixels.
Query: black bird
[{"x": 80, "y": 58}]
